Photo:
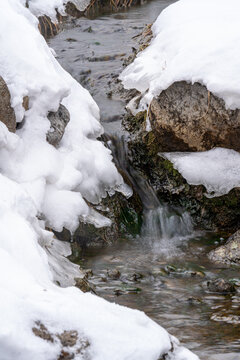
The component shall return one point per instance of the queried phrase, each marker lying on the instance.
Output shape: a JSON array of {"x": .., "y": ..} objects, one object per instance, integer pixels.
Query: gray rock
[
  {"x": 188, "y": 117},
  {"x": 228, "y": 253},
  {"x": 7, "y": 114},
  {"x": 219, "y": 286},
  {"x": 59, "y": 121}
]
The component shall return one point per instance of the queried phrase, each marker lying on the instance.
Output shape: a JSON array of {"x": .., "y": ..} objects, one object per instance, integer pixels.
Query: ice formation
[
  {"x": 195, "y": 41},
  {"x": 40, "y": 185}
]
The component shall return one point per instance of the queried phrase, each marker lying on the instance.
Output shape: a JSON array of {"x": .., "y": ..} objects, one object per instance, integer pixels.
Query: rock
[
  {"x": 65, "y": 355},
  {"x": 194, "y": 301},
  {"x": 84, "y": 285},
  {"x": 228, "y": 253},
  {"x": 219, "y": 286},
  {"x": 218, "y": 213},
  {"x": 228, "y": 318},
  {"x": 46, "y": 27},
  {"x": 135, "y": 277},
  {"x": 59, "y": 121},
  {"x": 124, "y": 290},
  {"x": 72, "y": 10},
  {"x": 126, "y": 216},
  {"x": 68, "y": 338},
  {"x": 7, "y": 114},
  {"x": 188, "y": 117},
  {"x": 113, "y": 274},
  {"x": 41, "y": 331}
]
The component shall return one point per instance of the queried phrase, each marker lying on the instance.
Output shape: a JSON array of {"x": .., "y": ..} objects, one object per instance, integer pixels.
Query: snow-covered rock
[
  {"x": 51, "y": 7},
  {"x": 217, "y": 169},
  {"x": 190, "y": 43},
  {"x": 191, "y": 46}
]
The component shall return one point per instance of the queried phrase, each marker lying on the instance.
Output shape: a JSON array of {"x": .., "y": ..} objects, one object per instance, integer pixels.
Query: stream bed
[{"x": 162, "y": 275}]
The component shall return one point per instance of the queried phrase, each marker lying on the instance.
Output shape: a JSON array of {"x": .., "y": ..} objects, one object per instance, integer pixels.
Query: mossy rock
[{"x": 218, "y": 213}]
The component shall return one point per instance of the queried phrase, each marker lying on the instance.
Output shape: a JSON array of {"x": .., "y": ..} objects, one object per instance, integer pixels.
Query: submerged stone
[{"x": 219, "y": 286}]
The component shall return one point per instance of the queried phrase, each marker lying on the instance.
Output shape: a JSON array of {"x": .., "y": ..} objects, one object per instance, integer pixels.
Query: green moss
[{"x": 130, "y": 221}]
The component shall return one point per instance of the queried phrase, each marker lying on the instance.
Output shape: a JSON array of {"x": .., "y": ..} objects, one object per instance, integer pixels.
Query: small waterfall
[{"x": 164, "y": 227}]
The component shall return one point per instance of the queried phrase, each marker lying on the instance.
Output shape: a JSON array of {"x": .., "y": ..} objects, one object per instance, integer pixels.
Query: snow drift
[{"x": 43, "y": 185}]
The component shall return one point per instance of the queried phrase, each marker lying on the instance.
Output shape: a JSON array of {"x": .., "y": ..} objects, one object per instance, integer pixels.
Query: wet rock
[
  {"x": 113, "y": 274},
  {"x": 218, "y": 213},
  {"x": 83, "y": 284},
  {"x": 88, "y": 273},
  {"x": 59, "y": 121},
  {"x": 228, "y": 318},
  {"x": 72, "y": 10},
  {"x": 174, "y": 270},
  {"x": 187, "y": 117},
  {"x": 126, "y": 217},
  {"x": 124, "y": 290},
  {"x": 7, "y": 114},
  {"x": 136, "y": 277},
  {"x": 228, "y": 253},
  {"x": 219, "y": 286},
  {"x": 194, "y": 301}
]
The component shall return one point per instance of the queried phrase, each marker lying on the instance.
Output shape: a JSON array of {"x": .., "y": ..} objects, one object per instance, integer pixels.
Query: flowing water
[{"x": 163, "y": 271}]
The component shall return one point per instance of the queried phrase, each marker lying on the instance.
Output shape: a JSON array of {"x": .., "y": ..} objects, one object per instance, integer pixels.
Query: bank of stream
[{"x": 165, "y": 270}]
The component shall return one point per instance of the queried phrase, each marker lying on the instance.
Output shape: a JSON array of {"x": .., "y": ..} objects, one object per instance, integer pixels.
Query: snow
[
  {"x": 195, "y": 41},
  {"x": 217, "y": 169},
  {"x": 46, "y": 186}
]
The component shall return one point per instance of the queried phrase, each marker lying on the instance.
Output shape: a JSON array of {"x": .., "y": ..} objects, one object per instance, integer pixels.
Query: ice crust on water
[
  {"x": 217, "y": 169},
  {"x": 195, "y": 41},
  {"x": 38, "y": 181}
]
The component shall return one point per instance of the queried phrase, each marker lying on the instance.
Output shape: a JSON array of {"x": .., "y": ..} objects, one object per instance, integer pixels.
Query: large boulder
[
  {"x": 7, "y": 114},
  {"x": 188, "y": 117},
  {"x": 228, "y": 253}
]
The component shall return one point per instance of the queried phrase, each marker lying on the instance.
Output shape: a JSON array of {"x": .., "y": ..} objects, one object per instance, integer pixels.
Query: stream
[{"x": 161, "y": 272}]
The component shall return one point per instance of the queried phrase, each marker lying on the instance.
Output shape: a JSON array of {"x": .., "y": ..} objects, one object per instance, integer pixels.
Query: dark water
[{"x": 162, "y": 271}]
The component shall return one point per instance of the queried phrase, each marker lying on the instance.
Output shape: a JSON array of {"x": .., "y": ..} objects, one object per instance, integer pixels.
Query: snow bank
[
  {"x": 195, "y": 41},
  {"x": 217, "y": 169},
  {"x": 41, "y": 185}
]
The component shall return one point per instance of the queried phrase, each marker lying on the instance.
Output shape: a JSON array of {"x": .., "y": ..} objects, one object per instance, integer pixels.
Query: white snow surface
[
  {"x": 217, "y": 169},
  {"x": 195, "y": 41},
  {"x": 38, "y": 181}
]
